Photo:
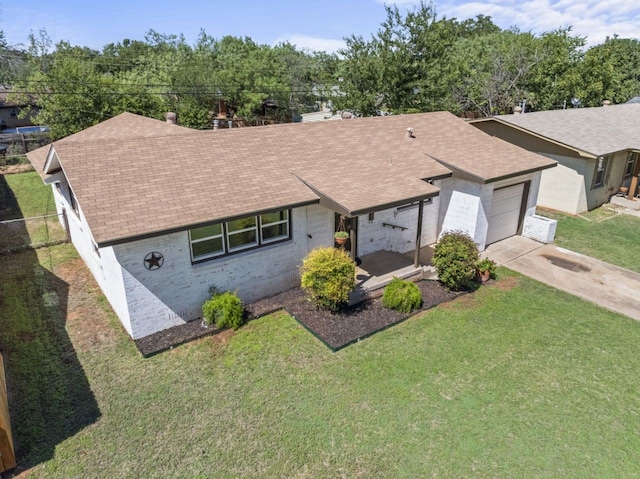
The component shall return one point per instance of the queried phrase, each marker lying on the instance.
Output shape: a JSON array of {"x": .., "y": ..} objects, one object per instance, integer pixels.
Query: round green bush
[
  {"x": 224, "y": 309},
  {"x": 455, "y": 257},
  {"x": 328, "y": 275},
  {"x": 402, "y": 295}
]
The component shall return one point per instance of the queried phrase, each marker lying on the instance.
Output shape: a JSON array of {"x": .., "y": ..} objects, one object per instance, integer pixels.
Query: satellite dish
[{"x": 576, "y": 102}]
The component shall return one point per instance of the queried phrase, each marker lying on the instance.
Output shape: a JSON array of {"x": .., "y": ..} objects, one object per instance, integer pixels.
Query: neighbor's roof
[
  {"x": 596, "y": 131},
  {"x": 6, "y": 103},
  {"x": 134, "y": 176}
]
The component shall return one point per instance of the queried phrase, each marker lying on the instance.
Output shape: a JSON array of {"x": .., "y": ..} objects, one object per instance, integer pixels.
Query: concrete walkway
[{"x": 609, "y": 286}]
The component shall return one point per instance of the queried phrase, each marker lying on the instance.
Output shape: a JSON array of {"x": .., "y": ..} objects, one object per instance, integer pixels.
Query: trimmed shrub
[
  {"x": 455, "y": 257},
  {"x": 224, "y": 310},
  {"x": 328, "y": 275},
  {"x": 402, "y": 295}
]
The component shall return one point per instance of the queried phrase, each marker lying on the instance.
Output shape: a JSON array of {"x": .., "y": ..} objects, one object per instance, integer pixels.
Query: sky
[{"x": 309, "y": 24}]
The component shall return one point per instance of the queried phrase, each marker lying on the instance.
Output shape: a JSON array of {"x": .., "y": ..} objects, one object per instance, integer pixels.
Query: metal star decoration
[{"x": 153, "y": 261}]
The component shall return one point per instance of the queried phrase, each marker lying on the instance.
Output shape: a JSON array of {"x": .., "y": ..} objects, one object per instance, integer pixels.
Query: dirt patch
[
  {"x": 464, "y": 301},
  {"x": 12, "y": 169},
  {"x": 88, "y": 322},
  {"x": 507, "y": 284}
]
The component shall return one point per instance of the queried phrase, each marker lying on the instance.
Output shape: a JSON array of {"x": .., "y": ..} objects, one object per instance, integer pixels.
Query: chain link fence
[{"x": 34, "y": 232}]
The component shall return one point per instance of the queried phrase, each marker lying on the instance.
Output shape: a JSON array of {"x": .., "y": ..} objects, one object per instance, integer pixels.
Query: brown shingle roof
[{"x": 156, "y": 177}]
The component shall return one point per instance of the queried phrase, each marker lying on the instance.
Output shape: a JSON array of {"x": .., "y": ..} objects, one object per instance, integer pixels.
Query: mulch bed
[{"x": 335, "y": 330}]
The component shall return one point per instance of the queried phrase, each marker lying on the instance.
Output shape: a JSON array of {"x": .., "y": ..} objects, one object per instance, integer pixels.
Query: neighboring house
[
  {"x": 596, "y": 150},
  {"x": 324, "y": 114},
  {"x": 10, "y": 110},
  {"x": 160, "y": 213}
]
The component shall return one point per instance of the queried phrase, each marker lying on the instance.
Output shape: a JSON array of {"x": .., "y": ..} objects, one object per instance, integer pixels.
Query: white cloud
[
  {"x": 593, "y": 19},
  {"x": 329, "y": 45}
]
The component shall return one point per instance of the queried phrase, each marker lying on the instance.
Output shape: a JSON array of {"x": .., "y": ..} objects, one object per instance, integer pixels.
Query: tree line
[{"x": 415, "y": 62}]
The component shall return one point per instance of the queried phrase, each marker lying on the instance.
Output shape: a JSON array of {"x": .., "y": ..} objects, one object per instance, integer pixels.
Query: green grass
[
  {"x": 34, "y": 198},
  {"x": 601, "y": 233},
  {"x": 516, "y": 380},
  {"x": 24, "y": 195}
]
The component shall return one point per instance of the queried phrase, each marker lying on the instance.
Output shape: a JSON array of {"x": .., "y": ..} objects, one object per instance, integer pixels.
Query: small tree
[
  {"x": 455, "y": 257},
  {"x": 328, "y": 275}
]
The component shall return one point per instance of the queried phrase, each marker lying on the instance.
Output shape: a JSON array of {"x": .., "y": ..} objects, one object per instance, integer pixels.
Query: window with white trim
[
  {"x": 238, "y": 235},
  {"x": 601, "y": 171}
]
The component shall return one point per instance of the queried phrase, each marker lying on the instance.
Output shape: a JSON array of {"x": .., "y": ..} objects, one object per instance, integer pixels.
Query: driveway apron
[{"x": 606, "y": 285}]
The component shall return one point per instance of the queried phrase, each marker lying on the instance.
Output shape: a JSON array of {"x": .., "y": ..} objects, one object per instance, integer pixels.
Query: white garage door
[{"x": 505, "y": 213}]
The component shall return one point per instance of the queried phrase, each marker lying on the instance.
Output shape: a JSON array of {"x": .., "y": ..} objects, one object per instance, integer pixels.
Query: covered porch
[{"x": 375, "y": 270}]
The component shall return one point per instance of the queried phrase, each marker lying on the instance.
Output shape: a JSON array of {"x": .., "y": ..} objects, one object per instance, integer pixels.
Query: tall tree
[
  {"x": 406, "y": 66},
  {"x": 552, "y": 80},
  {"x": 610, "y": 71}
]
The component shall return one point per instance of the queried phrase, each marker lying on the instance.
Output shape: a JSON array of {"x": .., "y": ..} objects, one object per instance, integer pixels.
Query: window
[
  {"x": 73, "y": 202},
  {"x": 601, "y": 169},
  {"x": 242, "y": 233},
  {"x": 274, "y": 227},
  {"x": 238, "y": 235},
  {"x": 631, "y": 163},
  {"x": 207, "y": 242}
]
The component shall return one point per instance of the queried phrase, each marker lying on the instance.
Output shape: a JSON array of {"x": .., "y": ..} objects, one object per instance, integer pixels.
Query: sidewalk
[{"x": 606, "y": 285}]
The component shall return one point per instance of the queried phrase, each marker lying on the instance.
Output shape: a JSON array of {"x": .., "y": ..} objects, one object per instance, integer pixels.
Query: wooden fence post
[
  {"x": 7, "y": 454},
  {"x": 66, "y": 225}
]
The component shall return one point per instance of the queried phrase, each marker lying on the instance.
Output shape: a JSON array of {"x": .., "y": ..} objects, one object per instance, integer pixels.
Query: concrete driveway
[{"x": 609, "y": 286}]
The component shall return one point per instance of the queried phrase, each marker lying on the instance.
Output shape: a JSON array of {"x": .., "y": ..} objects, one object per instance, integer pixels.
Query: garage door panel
[{"x": 505, "y": 213}]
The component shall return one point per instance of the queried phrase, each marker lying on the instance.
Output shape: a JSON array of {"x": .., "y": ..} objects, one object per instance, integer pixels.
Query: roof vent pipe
[
  {"x": 606, "y": 103},
  {"x": 170, "y": 117},
  {"x": 517, "y": 110},
  {"x": 410, "y": 133}
]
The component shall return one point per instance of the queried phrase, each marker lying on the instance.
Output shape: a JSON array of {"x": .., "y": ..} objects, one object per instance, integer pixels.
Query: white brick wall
[
  {"x": 466, "y": 206},
  {"x": 175, "y": 293},
  {"x": 373, "y": 236},
  {"x": 539, "y": 228}
]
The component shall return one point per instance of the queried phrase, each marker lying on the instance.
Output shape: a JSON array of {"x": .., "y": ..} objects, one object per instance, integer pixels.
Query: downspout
[{"x": 416, "y": 256}]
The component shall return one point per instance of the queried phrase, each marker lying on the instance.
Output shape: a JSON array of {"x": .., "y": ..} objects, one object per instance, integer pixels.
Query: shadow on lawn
[{"x": 49, "y": 395}]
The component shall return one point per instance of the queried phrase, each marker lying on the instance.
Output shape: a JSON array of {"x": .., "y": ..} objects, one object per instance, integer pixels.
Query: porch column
[
  {"x": 354, "y": 238},
  {"x": 634, "y": 181},
  {"x": 416, "y": 256}
]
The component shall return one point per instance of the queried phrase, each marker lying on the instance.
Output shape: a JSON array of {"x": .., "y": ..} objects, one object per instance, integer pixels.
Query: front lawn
[
  {"x": 516, "y": 380},
  {"x": 602, "y": 234}
]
